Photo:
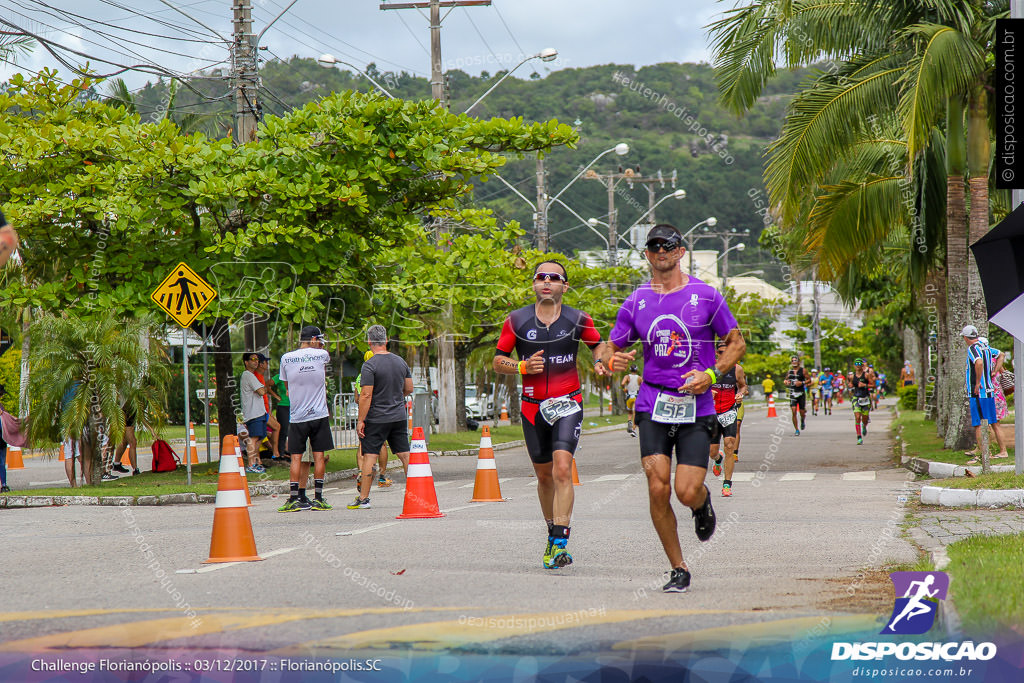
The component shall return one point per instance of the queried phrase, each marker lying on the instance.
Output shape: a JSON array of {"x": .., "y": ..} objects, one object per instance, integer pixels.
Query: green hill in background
[{"x": 668, "y": 114}]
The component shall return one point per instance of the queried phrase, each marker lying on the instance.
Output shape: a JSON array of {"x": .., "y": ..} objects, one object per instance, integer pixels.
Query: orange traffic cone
[
  {"x": 420, "y": 495},
  {"x": 575, "y": 474},
  {"x": 408, "y": 407},
  {"x": 504, "y": 411},
  {"x": 241, "y": 467},
  {"x": 61, "y": 458},
  {"x": 771, "y": 406},
  {"x": 486, "y": 488},
  {"x": 125, "y": 460},
  {"x": 193, "y": 450},
  {"x": 232, "y": 539},
  {"x": 14, "y": 459}
]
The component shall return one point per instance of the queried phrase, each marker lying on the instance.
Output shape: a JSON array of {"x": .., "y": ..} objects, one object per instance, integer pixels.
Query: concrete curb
[
  {"x": 937, "y": 495},
  {"x": 267, "y": 488},
  {"x": 945, "y": 470},
  {"x": 948, "y": 617}
]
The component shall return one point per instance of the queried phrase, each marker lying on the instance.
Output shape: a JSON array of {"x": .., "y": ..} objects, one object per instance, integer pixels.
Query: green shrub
[{"x": 908, "y": 397}]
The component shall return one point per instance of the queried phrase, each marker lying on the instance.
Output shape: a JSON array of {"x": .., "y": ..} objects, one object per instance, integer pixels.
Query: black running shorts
[
  {"x": 718, "y": 431},
  {"x": 801, "y": 402},
  {"x": 542, "y": 439},
  {"x": 396, "y": 434},
  {"x": 316, "y": 432},
  {"x": 692, "y": 442}
]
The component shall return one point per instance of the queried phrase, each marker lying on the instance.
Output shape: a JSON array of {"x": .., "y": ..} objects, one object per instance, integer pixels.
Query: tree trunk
[
  {"x": 933, "y": 344},
  {"x": 922, "y": 369},
  {"x": 955, "y": 403},
  {"x": 23, "y": 400},
  {"x": 978, "y": 159},
  {"x": 446, "y": 378},
  {"x": 227, "y": 387},
  {"x": 462, "y": 352},
  {"x": 515, "y": 411}
]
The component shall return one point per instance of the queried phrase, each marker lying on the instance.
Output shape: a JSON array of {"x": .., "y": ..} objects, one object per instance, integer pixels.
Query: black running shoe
[
  {"x": 5, "y": 489},
  {"x": 678, "y": 582},
  {"x": 704, "y": 518},
  {"x": 120, "y": 468}
]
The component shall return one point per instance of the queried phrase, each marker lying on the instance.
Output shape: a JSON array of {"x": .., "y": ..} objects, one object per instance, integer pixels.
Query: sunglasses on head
[
  {"x": 655, "y": 246},
  {"x": 554, "y": 277}
]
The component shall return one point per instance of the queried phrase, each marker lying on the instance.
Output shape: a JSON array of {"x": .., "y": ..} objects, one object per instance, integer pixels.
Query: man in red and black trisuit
[{"x": 546, "y": 337}]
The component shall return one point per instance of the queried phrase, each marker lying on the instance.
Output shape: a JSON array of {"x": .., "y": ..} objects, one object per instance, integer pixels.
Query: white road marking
[
  {"x": 743, "y": 476},
  {"x": 46, "y": 483},
  {"x": 225, "y": 565},
  {"x": 613, "y": 477},
  {"x": 462, "y": 507},
  {"x": 859, "y": 476},
  {"x": 365, "y": 529},
  {"x": 797, "y": 476},
  {"x": 442, "y": 483}
]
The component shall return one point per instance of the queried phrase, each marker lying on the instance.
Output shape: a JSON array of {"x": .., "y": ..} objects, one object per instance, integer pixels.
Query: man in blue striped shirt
[{"x": 979, "y": 387}]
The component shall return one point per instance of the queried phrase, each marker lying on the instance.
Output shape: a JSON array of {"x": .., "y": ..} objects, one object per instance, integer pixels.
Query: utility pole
[
  {"x": 611, "y": 182},
  {"x": 244, "y": 72},
  {"x": 448, "y": 419},
  {"x": 437, "y": 89},
  {"x": 540, "y": 220}
]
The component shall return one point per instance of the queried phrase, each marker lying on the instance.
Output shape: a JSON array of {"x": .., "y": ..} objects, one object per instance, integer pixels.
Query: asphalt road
[{"x": 809, "y": 513}]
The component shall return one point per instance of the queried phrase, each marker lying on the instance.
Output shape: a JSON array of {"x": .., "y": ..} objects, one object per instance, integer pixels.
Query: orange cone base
[
  {"x": 486, "y": 488},
  {"x": 232, "y": 540},
  {"x": 420, "y": 515},
  {"x": 14, "y": 460},
  {"x": 575, "y": 474}
]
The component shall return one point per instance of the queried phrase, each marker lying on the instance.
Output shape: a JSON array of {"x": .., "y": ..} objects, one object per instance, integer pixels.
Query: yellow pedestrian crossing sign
[{"x": 183, "y": 294}]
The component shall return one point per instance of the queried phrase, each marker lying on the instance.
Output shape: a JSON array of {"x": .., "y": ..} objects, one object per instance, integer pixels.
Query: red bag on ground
[{"x": 164, "y": 457}]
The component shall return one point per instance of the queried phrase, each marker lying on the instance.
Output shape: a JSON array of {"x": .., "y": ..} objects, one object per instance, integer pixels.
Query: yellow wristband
[
  {"x": 711, "y": 373},
  {"x": 522, "y": 367}
]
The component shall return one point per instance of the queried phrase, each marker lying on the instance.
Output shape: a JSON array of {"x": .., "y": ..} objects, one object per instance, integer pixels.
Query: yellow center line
[
  {"x": 744, "y": 636},
  {"x": 448, "y": 634}
]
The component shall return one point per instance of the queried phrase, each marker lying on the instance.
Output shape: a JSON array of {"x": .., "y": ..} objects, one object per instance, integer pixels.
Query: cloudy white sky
[{"x": 585, "y": 32}]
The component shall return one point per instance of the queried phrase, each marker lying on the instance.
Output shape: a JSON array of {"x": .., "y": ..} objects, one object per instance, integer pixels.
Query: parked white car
[{"x": 479, "y": 407}]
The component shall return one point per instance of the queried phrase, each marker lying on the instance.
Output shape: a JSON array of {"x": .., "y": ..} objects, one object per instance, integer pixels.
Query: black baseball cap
[
  {"x": 254, "y": 354},
  {"x": 311, "y": 332},
  {"x": 665, "y": 232}
]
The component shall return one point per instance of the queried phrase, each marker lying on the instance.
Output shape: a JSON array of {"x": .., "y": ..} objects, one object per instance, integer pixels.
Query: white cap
[{"x": 970, "y": 331}]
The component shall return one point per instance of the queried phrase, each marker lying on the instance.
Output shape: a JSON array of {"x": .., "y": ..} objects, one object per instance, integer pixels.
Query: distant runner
[
  {"x": 827, "y": 383},
  {"x": 860, "y": 387},
  {"x": 795, "y": 380},
  {"x": 728, "y": 392}
]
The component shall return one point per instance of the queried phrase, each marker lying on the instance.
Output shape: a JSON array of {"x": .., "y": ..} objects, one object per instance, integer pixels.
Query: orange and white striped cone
[
  {"x": 486, "y": 488},
  {"x": 61, "y": 457},
  {"x": 14, "y": 458},
  {"x": 193, "y": 449},
  {"x": 241, "y": 467},
  {"x": 420, "y": 495},
  {"x": 575, "y": 474},
  {"x": 504, "y": 411},
  {"x": 232, "y": 539},
  {"x": 771, "y": 406},
  {"x": 126, "y": 461}
]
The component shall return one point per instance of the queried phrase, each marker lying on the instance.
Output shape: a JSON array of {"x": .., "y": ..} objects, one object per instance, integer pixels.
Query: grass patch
[
  {"x": 505, "y": 433},
  {"x": 923, "y": 443},
  {"x": 923, "y": 564},
  {"x": 986, "y": 584},
  {"x": 993, "y": 480}
]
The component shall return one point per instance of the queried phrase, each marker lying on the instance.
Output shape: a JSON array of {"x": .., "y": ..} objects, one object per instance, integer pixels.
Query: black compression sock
[
  {"x": 551, "y": 527},
  {"x": 293, "y": 490},
  {"x": 727, "y": 482},
  {"x": 318, "y": 488},
  {"x": 302, "y": 494}
]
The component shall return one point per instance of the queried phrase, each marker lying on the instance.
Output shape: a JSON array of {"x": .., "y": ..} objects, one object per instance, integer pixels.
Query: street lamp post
[
  {"x": 545, "y": 55},
  {"x": 725, "y": 263},
  {"x": 710, "y": 221},
  {"x": 593, "y": 223},
  {"x": 329, "y": 60}
]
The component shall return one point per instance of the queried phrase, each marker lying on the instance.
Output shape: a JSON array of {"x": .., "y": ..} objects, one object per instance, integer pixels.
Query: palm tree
[
  {"x": 921, "y": 59},
  {"x": 86, "y": 373}
]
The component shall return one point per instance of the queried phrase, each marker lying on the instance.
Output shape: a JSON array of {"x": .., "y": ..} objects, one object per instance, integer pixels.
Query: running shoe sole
[
  {"x": 561, "y": 558},
  {"x": 704, "y": 518}
]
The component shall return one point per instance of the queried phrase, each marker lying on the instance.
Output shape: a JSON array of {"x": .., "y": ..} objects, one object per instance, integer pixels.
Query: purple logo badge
[{"x": 917, "y": 601}]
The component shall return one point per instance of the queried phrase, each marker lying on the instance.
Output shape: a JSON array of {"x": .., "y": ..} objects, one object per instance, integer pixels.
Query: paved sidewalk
[{"x": 939, "y": 528}]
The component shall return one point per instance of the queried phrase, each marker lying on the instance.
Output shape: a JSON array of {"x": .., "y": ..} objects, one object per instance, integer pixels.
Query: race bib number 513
[{"x": 669, "y": 409}]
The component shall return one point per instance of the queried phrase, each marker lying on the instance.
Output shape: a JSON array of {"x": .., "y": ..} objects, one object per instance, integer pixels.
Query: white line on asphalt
[
  {"x": 225, "y": 565},
  {"x": 613, "y": 477},
  {"x": 467, "y": 486},
  {"x": 444, "y": 483},
  {"x": 365, "y": 529},
  {"x": 743, "y": 476},
  {"x": 462, "y": 507},
  {"x": 45, "y": 483},
  {"x": 532, "y": 482},
  {"x": 859, "y": 476},
  {"x": 797, "y": 476}
]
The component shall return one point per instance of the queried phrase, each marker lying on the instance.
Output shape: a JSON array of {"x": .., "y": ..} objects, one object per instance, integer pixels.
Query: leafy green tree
[{"x": 87, "y": 374}]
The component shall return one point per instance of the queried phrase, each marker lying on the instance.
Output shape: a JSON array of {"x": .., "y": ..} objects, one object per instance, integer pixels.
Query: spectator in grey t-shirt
[{"x": 386, "y": 381}]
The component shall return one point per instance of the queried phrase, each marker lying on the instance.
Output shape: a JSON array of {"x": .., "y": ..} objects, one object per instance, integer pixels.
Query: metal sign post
[
  {"x": 206, "y": 389},
  {"x": 188, "y": 416}
]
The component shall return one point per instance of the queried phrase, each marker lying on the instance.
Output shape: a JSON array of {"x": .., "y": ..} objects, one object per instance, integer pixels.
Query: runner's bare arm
[
  {"x": 534, "y": 365},
  {"x": 407, "y": 389},
  {"x": 616, "y": 359},
  {"x": 600, "y": 367},
  {"x": 741, "y": 384},
  {"x": 699, "y": 381}
]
